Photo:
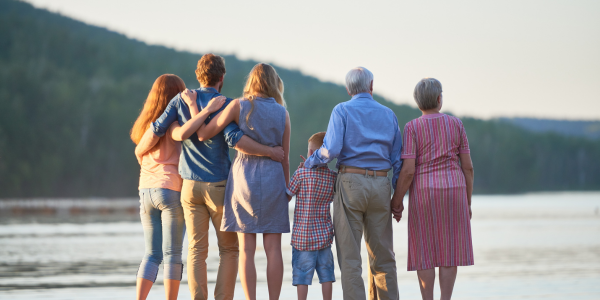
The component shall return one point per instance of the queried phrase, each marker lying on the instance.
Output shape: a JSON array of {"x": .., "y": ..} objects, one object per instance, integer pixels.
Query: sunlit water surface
[{"x": 534, "y": 246}]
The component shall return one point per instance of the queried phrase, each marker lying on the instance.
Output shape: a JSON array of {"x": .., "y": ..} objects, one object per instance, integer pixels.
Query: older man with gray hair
[{"x": 364, "y": 136}]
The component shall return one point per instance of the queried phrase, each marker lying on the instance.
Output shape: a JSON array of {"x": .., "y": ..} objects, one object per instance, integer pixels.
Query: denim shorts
[{"x": 304, "y": 264}]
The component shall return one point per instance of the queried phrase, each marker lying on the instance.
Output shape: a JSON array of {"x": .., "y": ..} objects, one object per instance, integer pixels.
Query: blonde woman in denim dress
[{"x": 255, "y": 197}]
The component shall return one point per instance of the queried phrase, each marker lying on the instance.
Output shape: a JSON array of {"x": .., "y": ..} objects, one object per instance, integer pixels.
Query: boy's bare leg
[
  {"x": 426, "y": 281},
  {"x": 302, "y": 291},
  {"x": 247, "y": 268},
  {"x": 327, "y": 288},
  {"x": 447, "y": 279}
]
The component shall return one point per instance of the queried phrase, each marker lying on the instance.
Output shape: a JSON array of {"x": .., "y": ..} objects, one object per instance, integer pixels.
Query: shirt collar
[
  {"x": 209, "y": 89},
  {"x": 431, "y": 116},
  {"x": 362, "y": 95}
]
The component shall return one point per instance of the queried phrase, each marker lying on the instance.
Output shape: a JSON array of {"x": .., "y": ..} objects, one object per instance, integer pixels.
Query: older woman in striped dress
[{"x": 438, "y": 170}]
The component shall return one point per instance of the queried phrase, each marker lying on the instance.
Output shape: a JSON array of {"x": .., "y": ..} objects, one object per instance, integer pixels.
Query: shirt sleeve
[
  {"x": 161, "y": 125},
  {"x": 233, "y": 134},
  {"x": 464, "y": 142},
  {"x": 295, "y": 183},
  {"x": 410, "y": 144},
  {"x": 333, "y": 142},
  {"x": 396, "y": 153}
]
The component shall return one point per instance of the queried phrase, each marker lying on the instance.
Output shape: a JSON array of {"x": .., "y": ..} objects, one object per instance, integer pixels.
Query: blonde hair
[
  {"x": 426, "y": 93},
  {"x": 317, "y": 138},
  {"x": 165, "y": 88},
  {"x": 263, "y": 80}
]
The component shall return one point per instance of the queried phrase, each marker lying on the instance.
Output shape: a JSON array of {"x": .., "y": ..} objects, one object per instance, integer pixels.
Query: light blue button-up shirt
[{"x": 361, "y": 133}]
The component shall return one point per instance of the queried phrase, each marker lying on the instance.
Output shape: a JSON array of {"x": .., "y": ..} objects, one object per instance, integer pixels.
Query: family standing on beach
[{"x": 187, "y": 180}]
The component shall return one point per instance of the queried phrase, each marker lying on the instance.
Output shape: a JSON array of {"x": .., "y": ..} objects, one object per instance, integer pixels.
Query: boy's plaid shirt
[{"x": 313, "y": 229}]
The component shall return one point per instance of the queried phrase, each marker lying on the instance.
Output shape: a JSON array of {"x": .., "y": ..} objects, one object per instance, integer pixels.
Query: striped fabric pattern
[{"x": 439, "y": 227}]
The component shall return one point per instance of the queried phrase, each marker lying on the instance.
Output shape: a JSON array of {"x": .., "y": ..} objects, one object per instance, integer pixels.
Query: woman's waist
[
  {"x": 158, "y": 169},
  {"x": 437, "y": 166},
  {"x": 165, "y": 180},
  {"x": 439, "y": 180},
  {"x": 243, "y": 156}
]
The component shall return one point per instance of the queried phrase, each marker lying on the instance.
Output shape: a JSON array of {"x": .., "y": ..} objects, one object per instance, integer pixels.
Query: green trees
[{"x": 69, "y": 93}]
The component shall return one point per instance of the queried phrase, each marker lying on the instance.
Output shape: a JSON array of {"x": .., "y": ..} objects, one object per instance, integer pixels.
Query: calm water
[{"x": 535, "y": 246}]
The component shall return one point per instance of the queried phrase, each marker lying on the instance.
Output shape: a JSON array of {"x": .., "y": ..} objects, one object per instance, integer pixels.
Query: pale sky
[{"x": 494, "y": 58}]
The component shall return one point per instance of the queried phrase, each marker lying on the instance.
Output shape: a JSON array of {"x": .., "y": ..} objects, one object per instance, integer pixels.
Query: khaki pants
[
  {"x": 203, "y": 202},
  {"x": 362, "y": 204}
]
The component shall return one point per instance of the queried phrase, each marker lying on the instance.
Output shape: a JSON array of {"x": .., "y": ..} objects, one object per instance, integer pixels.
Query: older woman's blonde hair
[
  {"x": 263, "y": 81},
  {"x": 427, "y": 92}
]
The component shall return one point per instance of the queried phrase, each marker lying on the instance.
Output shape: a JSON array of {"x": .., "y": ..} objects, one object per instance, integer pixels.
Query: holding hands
[{"x": 397, "y": 206}]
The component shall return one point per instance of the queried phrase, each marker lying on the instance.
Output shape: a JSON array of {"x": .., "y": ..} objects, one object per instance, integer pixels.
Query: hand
[
  {"x": 189, "y": 97},
  {"x": 397, "y": 207},
  {"x": 470, "y": 213},
  {"x": 277, "y": 154},
  {"x": 215, "y": 104},
  {"x": 302, "y": 163}
]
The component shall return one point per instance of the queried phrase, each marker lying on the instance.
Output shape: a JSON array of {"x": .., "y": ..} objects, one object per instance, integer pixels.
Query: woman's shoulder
[
  {"x": 453, "y": 120},
  {"x": 412, "y": 123}
]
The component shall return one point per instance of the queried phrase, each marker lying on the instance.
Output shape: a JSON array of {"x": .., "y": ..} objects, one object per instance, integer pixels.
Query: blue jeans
[
  {"x": 304, "y": 264},
  {"x": 164, "y": 227}
]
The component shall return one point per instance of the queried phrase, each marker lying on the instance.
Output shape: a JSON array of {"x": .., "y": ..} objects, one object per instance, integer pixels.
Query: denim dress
[{"x": 255, "y": 197}]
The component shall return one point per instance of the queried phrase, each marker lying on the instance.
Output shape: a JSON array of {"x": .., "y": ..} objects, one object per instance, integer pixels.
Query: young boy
[{"x": 312, "y": 234}]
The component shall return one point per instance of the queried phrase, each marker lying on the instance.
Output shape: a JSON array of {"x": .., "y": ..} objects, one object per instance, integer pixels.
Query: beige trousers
[
  {"x": 203, "y": 202},
  {"x": 362, "y": 204}
]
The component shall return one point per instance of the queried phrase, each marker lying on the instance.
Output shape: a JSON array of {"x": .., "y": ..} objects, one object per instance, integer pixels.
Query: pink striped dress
[{"x": 439, "y": 227}]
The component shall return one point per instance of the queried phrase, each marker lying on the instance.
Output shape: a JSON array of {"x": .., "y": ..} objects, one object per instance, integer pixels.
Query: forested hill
[{"x": 69, "y": 93}]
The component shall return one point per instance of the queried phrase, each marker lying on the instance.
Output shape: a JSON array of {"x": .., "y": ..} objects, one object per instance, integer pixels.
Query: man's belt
[{"x": 355, "y": 170}]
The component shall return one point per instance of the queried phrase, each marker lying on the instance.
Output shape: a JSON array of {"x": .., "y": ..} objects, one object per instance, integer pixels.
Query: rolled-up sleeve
[
  {"x": 162, "y": 124},
  {"x": 233, "y": 134},
  {"x": 396, "y": 153},
  {"x": 333, "y": 142}
]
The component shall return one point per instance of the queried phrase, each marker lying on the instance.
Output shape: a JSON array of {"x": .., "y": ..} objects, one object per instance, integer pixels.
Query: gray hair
[
  {"x": 427, "y": 92},
  {"x": 358, "y": 80}
]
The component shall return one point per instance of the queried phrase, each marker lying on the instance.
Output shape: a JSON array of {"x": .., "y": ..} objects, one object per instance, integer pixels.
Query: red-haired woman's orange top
[{"x": 159, "y": 163}]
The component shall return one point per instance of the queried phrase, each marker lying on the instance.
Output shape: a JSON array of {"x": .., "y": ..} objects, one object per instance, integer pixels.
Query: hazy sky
[{"x": 494, "y": 58}]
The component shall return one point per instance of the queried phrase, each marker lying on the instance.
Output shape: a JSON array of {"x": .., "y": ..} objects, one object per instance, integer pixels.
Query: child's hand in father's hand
[
  {"x": 189, "y": 97},
  {"x": 215, "y": 104}
]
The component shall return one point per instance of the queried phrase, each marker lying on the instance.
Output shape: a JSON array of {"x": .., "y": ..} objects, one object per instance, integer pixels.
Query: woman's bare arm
[
  {"x": 405, "y": 179},
  {"x": 148, "y": 141},
  {"x": 286, "y": 148},
  {"x": 467, "y": 168},
  {"x": 217, "y": 124}
]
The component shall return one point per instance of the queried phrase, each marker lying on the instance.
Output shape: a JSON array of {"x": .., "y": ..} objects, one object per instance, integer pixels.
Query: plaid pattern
[{"x": 313, "y": 229}]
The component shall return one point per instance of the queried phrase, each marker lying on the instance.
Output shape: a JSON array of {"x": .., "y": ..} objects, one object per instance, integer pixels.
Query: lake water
[{"x": 533, "y": 246}]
